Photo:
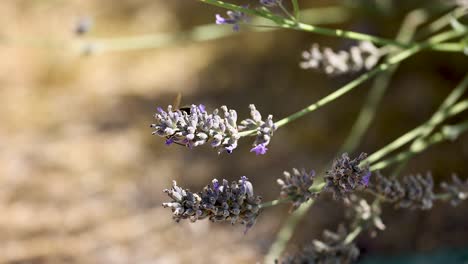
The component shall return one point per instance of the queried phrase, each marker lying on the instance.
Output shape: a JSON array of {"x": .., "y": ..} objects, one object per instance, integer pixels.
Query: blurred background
[{"x": 81, "y": 176}]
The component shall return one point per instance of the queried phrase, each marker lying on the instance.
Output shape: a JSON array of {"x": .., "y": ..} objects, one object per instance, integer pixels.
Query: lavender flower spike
[
  {"x": 234, "y": 18},
  {"x": 197, "y": 127},
  {"x": 218, "y": 202}
]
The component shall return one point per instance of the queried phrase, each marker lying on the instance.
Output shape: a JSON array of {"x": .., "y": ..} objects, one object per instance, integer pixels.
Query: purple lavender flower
[
  {"x": 195, "y": 126},
  {"x": 260, "y": 149},
  {"x": 296, "y": 187},
  {"x": 233, "y": 203},
  {"x": 346, "y": 175},
  {"x": 234, "y": 18}
]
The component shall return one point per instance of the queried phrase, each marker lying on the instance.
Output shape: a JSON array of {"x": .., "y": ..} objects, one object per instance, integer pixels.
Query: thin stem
[
  {"x": 291, "y": 16},
  {"x": 446, "y": 133},
  {"x": 351, "y": 236},
  {"x": 443, "y": 113},
  {"x": 287, "y": 23},
  {"x": 442, "y": 21},
  {"x": 364, "y": 77},
  {"x": 295, "y": 5},
  {"x": 286, "y": 232},
  {"x": 380, "y": 84}
]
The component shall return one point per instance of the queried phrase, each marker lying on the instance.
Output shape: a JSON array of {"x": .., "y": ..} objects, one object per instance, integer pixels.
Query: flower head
[
  {"x": 296, "y": 186},
  {"x": 233, "y": 203},
  {"x": 195, "y": 126},
  {"x": 346, "y": 175},
  {"x": 360, "y": 57}
]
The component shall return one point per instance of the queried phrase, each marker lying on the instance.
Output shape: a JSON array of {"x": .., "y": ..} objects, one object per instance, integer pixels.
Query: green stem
[
  {"x": 364, "y": 77},
  {"x": 443, "y": 113},
  {"x": 442, "y": 22},
  {"x": 295, "y": 5},
  {"x": 380, "y": 85},
  {"x": 351, "y": 236},
  {"x": 446, "y": 133},
  {"x": 286, "y": 232},
  {"x": 287, "y": 23},
  {"x": 292, "y": 17}
]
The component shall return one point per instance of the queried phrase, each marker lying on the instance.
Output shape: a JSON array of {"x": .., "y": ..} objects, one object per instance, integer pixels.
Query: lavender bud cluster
[
  {"x": 457, "y": 190},
  {"x": 346, "y": 175},
  {"x": 296, "y": 187},
  {"x": 332, "y": 249},
  {"x": 198, "y": 127},
  {"x": 414, "y": 192},
  {"x": 363, "y": 56},
  {"x": 195, "y": 127},
  {"x": 264, "y": 130},
  {"x": 218, "y": 202}
]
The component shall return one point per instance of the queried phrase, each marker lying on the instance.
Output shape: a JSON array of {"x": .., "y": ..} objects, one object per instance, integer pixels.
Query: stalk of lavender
[{"x": 196, "y": 127}]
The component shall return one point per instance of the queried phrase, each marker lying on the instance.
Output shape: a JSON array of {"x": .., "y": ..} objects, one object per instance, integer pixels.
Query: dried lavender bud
[
  {"x": 196, "y": 127},
  {"x": 264, "y": 129},
  {"x": 364, "y": 214},
  {"x": 270, "y": 3},
  {"x": 233, "y": 203},
  {"x": 346, "y": 175},
  {"x": 457, "y": 190},
  {"x": 234, "y": 18},
  {"x": 414, "y": 192},
  {"x": 364, "y": 56},
  {"x": 296, "y": 187},
  {"x": 331, "y": 250}
]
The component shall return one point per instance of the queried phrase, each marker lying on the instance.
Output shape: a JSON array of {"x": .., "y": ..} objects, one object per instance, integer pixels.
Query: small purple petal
[
  {"x": 160, "y": 110},
  {"x": 202, "y": 108},
  {"x": 229, "y": 149},
  {"x": 260, "y": 149},
  {"x": 169, "y": 141},
  {"x": 236, "y": 27},
  {"x": 220, "y": 20},
  {"x": 215, "y": 185},
  {"x": 366, "y": 178}
]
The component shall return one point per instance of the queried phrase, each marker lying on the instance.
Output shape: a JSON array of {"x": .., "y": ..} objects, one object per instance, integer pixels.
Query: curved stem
[{"x": 287, "y": 23}]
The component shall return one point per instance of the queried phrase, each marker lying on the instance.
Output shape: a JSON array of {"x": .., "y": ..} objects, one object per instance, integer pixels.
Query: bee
[
  {"x": 185, "y": 109},
  {"x": 176, "y": 104}
]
